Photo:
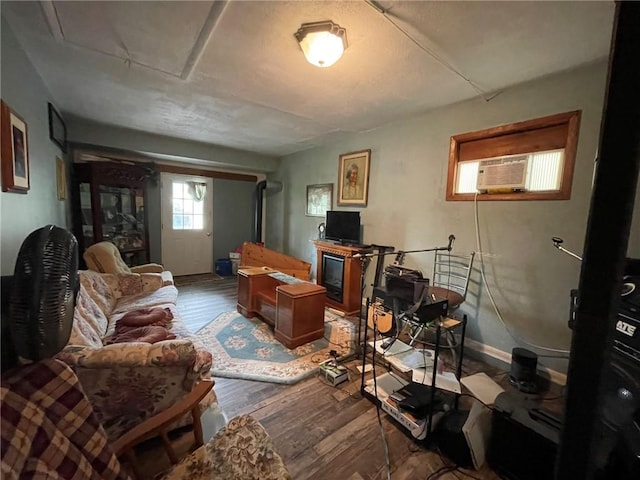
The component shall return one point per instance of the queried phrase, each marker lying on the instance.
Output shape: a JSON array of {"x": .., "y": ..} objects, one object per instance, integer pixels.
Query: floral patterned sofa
[{"x": 129, "y": 382}]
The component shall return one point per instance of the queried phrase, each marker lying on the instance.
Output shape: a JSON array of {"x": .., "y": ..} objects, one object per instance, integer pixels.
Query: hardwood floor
[{"x": 320, "y": 431}]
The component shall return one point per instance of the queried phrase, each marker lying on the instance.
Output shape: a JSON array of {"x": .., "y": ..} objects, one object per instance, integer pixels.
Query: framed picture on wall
[
  {"x": 353, "y": 178},
  {"x": 61, "y": 179},
  {"x": 319, "y": 199},
  {"x": 14, "y": 151},
  {"x": 57, "y": 128}
]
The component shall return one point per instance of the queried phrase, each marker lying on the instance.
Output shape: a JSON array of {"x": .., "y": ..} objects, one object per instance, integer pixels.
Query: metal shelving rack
[{"x": 398, "y": 375}]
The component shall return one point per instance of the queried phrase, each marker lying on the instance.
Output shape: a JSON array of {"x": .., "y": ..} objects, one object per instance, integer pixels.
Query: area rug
[{"x": 246, "y": 348}]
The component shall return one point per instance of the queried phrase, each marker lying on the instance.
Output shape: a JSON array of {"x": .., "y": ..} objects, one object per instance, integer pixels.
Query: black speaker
[
  {"x": 523, "y": 370},
  {"x": 524, "y": 440},
  {"x": 617, "y": 453},
  {"x": 451, "y": 439}
]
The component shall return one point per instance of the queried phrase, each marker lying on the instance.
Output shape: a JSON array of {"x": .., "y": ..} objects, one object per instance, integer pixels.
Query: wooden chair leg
[
  {"x": 197, "y": 426},
  {"x": 159, "y": 423},
  {"x": 130, "y": 455},
  {"x": 168, "y": 448}
]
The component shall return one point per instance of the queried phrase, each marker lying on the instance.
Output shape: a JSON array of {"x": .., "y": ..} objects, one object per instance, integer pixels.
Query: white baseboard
[{"x": 555, "y": 376}]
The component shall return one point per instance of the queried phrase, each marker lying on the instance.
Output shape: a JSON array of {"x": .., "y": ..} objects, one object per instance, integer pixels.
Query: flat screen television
[{"x": 343, "y": 227}]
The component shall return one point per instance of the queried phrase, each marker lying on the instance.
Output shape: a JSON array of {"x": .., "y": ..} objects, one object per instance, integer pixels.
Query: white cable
[{"x": 486, "y": 284}]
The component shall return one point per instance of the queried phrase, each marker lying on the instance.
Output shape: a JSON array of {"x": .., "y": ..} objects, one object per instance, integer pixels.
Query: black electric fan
[{"x": 43, "y": 293}]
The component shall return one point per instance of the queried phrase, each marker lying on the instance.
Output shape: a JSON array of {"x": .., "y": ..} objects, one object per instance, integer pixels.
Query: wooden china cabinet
[{"x": 109, "y": 201}]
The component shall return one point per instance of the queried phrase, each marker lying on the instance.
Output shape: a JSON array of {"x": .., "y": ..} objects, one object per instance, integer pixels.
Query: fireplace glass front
[{"x": 333, "y": 276}]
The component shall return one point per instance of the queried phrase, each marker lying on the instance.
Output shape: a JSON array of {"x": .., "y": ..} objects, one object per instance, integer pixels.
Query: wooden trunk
[{"x": 300, "y": 314}]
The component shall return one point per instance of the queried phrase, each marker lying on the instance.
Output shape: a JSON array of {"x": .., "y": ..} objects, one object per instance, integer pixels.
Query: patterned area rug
[{"x": 246, "y": 348}]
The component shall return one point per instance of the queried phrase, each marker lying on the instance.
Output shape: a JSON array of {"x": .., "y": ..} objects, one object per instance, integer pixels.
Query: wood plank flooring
[{"x": 320, "y": 431}]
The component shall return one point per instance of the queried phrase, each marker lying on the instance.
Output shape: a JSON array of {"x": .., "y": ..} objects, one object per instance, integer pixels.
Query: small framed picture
[
  {"x": 319, "y": 199},
  {"x": 61, "y": 179},
  {"x": 57, "y": 128},
  {"x": 14, "y": 151},
  {"x": 353, "y": 178}
]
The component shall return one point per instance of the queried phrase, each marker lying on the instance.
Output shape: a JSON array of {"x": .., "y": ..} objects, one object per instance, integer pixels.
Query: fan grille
[{"x": 43, "y": 293}]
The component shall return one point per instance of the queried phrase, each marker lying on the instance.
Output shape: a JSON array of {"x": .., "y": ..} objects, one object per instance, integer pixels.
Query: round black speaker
[
  {"x": 617, "y": 439},
  {"x": 523, "y": 370}
]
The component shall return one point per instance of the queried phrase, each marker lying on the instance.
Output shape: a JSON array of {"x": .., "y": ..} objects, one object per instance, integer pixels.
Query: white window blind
[{"x": 544, "y": 172}]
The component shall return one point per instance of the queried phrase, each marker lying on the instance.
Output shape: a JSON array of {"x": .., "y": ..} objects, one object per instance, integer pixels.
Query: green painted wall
[
  {"x": 25, "y": 92},
  {"x": 232, "y": 215},
  {"x": 529, "y": 279}
]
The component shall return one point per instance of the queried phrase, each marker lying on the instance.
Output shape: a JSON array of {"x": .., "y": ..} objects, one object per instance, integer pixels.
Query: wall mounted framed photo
[
  {"x": 353, "y": 178},
  {"x": 319, "y": 199},
  {"x": 14, "y": 151},
  {"x": 61, "y": 179},
  {"x": 57, "y": 128}
]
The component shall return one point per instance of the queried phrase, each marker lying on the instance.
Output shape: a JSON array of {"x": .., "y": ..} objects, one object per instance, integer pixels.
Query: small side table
[
  {"x": 300, "y": 313},
  {"x": 251, "y": 281}
]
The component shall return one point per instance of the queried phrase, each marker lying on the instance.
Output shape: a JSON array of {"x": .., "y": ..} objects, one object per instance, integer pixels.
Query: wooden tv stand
[
  {"x": 294, "y": 308},
  {"x": 352, "y": 272}
]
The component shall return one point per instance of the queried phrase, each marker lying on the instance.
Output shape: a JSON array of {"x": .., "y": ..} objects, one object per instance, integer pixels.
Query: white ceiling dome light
[{"x": 322, "y": 42}]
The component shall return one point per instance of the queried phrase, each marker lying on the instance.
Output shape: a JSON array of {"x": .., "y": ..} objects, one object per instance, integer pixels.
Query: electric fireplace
[{"x": 333, "y": 275}]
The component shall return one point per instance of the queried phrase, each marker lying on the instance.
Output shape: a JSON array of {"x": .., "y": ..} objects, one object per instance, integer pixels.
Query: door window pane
[{"x": 188, "y": 213}]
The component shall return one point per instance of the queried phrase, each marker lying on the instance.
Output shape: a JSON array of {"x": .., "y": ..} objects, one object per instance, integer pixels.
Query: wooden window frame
[{"x": 546, "y": 133}]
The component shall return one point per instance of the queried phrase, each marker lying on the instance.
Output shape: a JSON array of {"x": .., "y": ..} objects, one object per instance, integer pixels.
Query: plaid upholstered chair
[{"x": 49, "y": 431}]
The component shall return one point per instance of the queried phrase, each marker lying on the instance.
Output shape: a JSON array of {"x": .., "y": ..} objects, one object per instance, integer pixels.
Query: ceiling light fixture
[{"x": 322, "y": 42}]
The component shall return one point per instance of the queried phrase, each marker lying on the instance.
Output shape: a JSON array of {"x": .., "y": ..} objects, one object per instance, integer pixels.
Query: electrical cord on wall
[{"x": 486, "y": 284}]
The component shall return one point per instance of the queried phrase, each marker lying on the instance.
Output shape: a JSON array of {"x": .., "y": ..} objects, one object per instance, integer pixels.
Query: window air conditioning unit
[{"x": 503, "y": 174}]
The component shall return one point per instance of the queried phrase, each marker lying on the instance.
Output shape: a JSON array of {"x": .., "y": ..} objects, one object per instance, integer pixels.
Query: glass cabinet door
[
  {"x": 88, "y": 232},
  {"x": 122, "y": 216},
  {"x": 108, "y": 201}
]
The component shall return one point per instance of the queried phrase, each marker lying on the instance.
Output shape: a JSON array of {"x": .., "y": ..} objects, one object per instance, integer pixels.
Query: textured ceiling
[{"x": 232, "y": 73}]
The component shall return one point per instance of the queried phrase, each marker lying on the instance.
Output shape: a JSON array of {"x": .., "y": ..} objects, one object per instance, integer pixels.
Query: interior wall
[
  {"x": 232, "y": 215},
  {"x": 25, "y": 92},
  {"x": 154, "y": 219},
  {"x": 84, "y": 131},
  {"x": 529, "y": 279}
]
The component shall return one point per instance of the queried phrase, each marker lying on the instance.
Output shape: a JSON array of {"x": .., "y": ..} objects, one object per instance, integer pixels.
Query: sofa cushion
[
  {"x": 98, "y": 289},
  {"x": 82, "y": 334},
  {"x": 241, "y": 449},
  {"x": 162, "y": 296},
  {"x": 89, "y": 321}
]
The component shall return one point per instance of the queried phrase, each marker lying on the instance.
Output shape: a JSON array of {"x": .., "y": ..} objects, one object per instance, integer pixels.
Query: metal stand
[{"x": 366, "y": 257}]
